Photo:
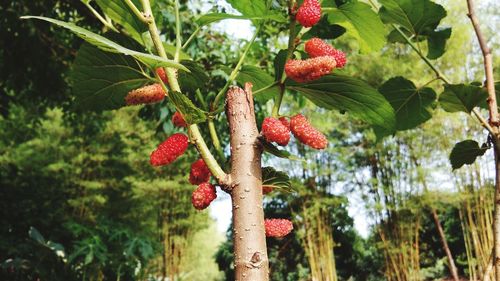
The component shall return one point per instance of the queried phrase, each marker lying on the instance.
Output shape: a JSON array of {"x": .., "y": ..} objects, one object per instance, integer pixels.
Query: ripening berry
[
  {"x": 273, "y": 130},
  {"x": 178, "y": 120},
  {"x": 316, "y": 47},
  {"x": 203, "y": 196},
  {"x": 163, "y": 75},
  {"x": 307, "y": 134},
  {"x": 145, "y": 95},
  {"x": 285, "y": 122},
  {"x": 169, "y": 150},
  {"x": 199, "y": 172},
  {"x": 267, "y": 189},
  {"x": 310, "y": 69},
  {"x": 278, "y": 227},
  {"x": 309, "y": 13}
]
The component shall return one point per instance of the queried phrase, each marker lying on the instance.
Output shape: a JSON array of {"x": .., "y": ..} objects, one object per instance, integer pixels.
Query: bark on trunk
[
  {"x": 451, "y": 262},
  {"x": 250, "y": 251}
]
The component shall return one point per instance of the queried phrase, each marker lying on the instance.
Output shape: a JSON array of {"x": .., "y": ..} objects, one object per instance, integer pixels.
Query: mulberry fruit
[
  {"x": 310, "y": 69},
  {"x": 199, "y": 172},
  {"x": 163, "y": 75},
  {"x": 273, "y": 130},
  {"x": 169, "y": 150},
  {"x": 307, "y": 134},
  {"x": 145, "y": 95},
  {"x": 285, "y": 122},
  {"x": 267, "y": 189},
  {"x": 203, "y": 196},
  {"x": 178, "y": 120},
  {"x": 309, "y": 13},
  {"x": 316, "y": 47},
  {"x": 278, "y": 227}
]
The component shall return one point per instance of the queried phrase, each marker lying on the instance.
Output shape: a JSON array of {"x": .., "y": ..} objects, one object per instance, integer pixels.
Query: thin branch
[
  {"x": 236, "y": 70},
  {"x": 137, "y": 12},
  {"x": 99, "y": 17},
  {"x": 488, "y": 64},
  {"x": 193, "y": 35}
]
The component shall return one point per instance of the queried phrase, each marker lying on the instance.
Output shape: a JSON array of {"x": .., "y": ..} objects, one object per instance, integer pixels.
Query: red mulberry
[
  {"x": 316, "y": 47},
  {"x": 203, "y": 196},
  {"x": 307, "y": 134},
  {"x": 278, "y": 227},
  {"x": 309, "y": 13},
  {"x": 273, "y": 130},
  {"x": 310, "y": 69},
  {"x": 144, "y": 95},
  {"x": 169, "y": 150},
  {"x": 163, "y": 75},
  {"x": 199, "y": 172},
  {"x": 178, "y": 120}
]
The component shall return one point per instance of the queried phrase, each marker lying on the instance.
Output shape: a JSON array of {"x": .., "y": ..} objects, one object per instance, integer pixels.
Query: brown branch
[
  {"x": 250, "y": 251},
  {"x": 488, "y": 65}
]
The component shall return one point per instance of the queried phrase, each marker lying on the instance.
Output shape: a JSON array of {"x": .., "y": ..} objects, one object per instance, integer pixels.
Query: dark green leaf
[
  {"x": 101, "y": 80},
  {"x": 412, "y": 106},
  {"x": 276, "y": 180},
  {"x": 279, "y": 64},
  {"x": 346, "y": 93},
  {"x": 120, "y": 13},
  {"x": 270, "y": 148},
  {"x": 110, "y": 46},
  {"x": 362, "y": 22},
  {"x": 36, "y": 235},
  {"x": 195, "y": 79},
  {"x": 324, "y": 30},
  {"x": 260, "y": 79},
  {"x": 462, "y": 97},
  {"x": 191, "y": 113},
  {"x": 436, "y": 42},
  {"x": 466, "y": 152}
]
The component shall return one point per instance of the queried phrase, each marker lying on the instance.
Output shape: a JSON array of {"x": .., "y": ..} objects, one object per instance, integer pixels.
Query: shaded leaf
[
  {"x": 36, "y": 235},
  {"x": 466, "y": 152},
  {"x": 276, "y": 179},
  {"x": 436, "y": 42},
  {"x": 348, "y": 94},
  {"x": 462, "y": 97},
  {"x": 195, "y": 79},
  {"x": 191, "y": 113},
  {"x": 260, "y": 79},
  {"x": 413, "y": 106},
  {"x": 279, "y": 64},
  {"x": 101, "y": 80},
  {"x": 107, "y": 45},
  {"x": 324, "y": 30},
  {"x": 362, "y": 22},
  {"x": 120, "y": 13},
  {"x": 270, "y": 148}
]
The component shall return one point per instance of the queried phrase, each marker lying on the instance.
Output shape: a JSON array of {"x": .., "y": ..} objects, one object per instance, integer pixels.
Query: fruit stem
[
  {"x": 236, "y": 70},
  {"x": 215, "y": 140},
  {"x": 195, "y": 32},
  {"x": 138, "y": 13},
  {"x": 291, "y": 48}
]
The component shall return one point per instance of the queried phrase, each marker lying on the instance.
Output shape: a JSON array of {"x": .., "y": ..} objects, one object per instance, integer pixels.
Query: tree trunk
[
  {"x": 451, "y": 262},
  {"x": 250, "y": 251}
]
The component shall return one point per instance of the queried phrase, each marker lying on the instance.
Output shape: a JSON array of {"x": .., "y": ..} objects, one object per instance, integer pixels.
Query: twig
[{"x": 488, "y": 65}]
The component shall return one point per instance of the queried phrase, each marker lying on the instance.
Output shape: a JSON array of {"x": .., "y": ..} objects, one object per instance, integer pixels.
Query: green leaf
[
  {"x": 362, "y": 22},
  {"x": 324, "y": 30},
  {"x": 466, "y": 152},
  {"x": 270, "y": 148},
  {"x": 120, "y": 13},
  {"x": 346, "y": 93},
  {"x": 170, "y": 50},
  {"x": 215, "y": 17},
  {"x": 462, "y": 97},
  {"x": 436, "y": 42},
  {"x": 276, "y": 180},
  {"x": 417, "y": 16},
  {"x": 101, "y": 80},
  {"x": 484, "y": 104},
  {"x": 260, "y": 79},
  {"x": 256, "y": 9},
  {"x": 36, "y": 235},
  {"x": 107, "y": 45},
  {"x": 191, "y": 113},
  {"x": 412, "y": 106},
  {"x": 279, "y": 64},
  {"x": 195, "y": 79}
]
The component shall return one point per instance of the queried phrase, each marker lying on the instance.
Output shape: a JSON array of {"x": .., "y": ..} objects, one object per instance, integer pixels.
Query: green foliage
[
  {"x": 259, "y": 79},
  {"x": 277, "y": 180},
  {"x": 466, "y": 152},
  {"x": 462, "y": 97},
  {"x": 345, "y": 93},
  {"x": 413, "y": 106}
]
